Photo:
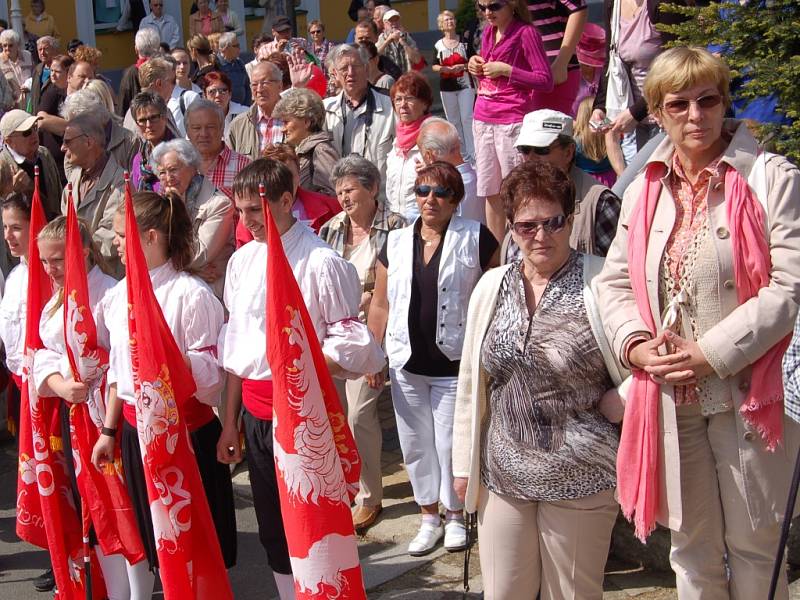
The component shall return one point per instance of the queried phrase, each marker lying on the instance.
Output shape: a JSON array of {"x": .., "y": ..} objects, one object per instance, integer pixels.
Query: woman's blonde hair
[
  {"x": 103, "y": 91},
  {"x": 442, "y": 16},
  {"x": 684, "y": 67},
  {"x": 213, "y": 39},
  {"x": 593, "y": 143},
  {"x": 56, "y": 231}
]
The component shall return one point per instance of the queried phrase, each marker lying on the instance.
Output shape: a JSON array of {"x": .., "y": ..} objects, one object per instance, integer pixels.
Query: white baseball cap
[
  {"x": 541, "y": 128},
  {"x": 16, "y": 120},
  {"x": 389, "y": 14}
]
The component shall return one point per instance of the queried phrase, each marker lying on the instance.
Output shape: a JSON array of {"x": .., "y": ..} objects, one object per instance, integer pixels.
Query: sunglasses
[
  {"x": 538, "y": 150},
  {"x": 28, "y": 133},
  {"x": 529, "y": 229},
  {"x": 315, "y": 32},
  {"x": 493, "y": 7},
  {"x": 679, "y": 107},
  {"x": 423, "y": 191},
  {"x": 149, "y": 119}
]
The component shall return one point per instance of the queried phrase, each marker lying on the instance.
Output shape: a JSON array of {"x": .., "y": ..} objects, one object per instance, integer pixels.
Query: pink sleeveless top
[{"x": 639, "y": 44}]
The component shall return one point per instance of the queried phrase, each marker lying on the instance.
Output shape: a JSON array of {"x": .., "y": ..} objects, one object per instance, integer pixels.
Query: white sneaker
[
  {"x": 427, "y": 538},
  {"x": 455, "y": 535}
]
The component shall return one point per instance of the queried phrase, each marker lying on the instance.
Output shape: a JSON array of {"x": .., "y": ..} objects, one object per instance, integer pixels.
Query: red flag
[
  {"x": 315, "y": 455},
  {"x": 103, "y": 494},
  {"x": 189, "y": 556},
  {"x": 46, "y": 513}
]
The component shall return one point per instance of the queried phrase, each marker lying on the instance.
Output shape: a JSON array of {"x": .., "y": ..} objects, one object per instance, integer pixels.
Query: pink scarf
[
  {"x": 406, "y": 135},
  {"x": 637, "y": 459}
]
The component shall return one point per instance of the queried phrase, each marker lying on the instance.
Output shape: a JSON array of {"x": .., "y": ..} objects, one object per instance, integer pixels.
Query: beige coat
[
  {"x": 98, "y": 207},
  {"x": 739, "y": 339},
  {"x": 51, "y": 201},
  {"x": 212, "y": 221},
  {"x": 243, "y": 135}
]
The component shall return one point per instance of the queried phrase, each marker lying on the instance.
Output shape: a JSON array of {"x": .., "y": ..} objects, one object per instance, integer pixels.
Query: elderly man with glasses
[
  {"x": 97, "y": 181},
  {"x": 166, "y": 24},
  {"x": 256, "y": 129},
  {"x": 22, "y": 153}
]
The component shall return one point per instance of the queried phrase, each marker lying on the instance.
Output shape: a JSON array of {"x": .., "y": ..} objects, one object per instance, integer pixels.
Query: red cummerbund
[{"x": 257, "y": 398}]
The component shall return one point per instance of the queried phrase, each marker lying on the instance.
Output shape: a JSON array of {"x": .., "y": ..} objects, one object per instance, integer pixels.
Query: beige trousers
[
  {"x": 717, "y": 555},
  {"x": 361, "y": 406},
  {"x": 557, "y": 550}
]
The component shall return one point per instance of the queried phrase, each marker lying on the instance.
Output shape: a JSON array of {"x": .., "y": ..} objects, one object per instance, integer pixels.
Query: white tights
[{"x": 125, "y": 581}]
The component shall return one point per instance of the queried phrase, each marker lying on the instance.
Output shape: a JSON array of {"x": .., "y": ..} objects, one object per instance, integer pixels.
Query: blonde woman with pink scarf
[
  {"x": 699, "y": 295},
  {"x": 411, "y": 99}
]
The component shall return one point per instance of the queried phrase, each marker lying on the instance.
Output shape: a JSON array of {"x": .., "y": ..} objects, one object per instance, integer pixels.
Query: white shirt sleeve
[
  {"x": 202, "y": 321},
  {"x": 347, "y": 340}
]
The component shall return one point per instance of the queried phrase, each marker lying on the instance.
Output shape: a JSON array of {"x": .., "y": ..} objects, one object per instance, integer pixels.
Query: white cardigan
[{"x": 470, "y": 409}]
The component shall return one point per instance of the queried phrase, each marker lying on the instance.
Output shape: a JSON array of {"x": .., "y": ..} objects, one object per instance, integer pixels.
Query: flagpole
[{"x": 787, "y": 521}]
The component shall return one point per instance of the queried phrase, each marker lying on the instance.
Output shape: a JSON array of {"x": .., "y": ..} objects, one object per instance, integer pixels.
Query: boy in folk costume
[{"x": 331, "y": 291}]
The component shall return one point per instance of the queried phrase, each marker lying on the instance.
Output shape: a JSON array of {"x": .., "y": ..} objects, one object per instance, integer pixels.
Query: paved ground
[{"x": 389, "y": 573}]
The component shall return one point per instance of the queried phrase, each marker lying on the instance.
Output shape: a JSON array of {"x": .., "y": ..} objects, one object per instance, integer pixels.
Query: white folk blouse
[
  {"x": 332, "y": 292},
  {"x": 52, "y": 358},
  {"x": 12, "y": 317},
  {"x": 193, "y": 314}
]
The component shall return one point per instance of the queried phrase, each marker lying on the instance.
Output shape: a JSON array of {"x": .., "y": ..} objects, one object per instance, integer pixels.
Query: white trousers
[
  {"x": 424, "y": 409},
  {"x": 125, "y": 581},
  {"x": 458, "y": 110}
]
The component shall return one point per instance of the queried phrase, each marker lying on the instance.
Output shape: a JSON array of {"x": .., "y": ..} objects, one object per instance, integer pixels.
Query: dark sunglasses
[
  {"x": 29, "y": 132},
  {"x": 538, "y": 150},
  {"x": 493, "y": 7},
  {"x": 678, "y": 107},
  {"x": 529, "y": 229},
  {"x": 423, "y": 191}
]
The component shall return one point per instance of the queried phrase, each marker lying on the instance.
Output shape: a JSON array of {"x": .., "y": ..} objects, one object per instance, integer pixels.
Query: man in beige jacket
[{"x": 254, "y": 130}]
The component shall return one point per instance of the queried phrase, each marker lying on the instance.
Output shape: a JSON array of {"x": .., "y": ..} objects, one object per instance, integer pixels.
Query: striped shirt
[
  {"x": 223, "y": 170},
  {"x": 550, "y": 18},
  {"x": 270, "y": 131}
]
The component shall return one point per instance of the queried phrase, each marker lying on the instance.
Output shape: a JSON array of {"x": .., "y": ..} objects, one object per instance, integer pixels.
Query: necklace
[{"x": 429, "y": 242}]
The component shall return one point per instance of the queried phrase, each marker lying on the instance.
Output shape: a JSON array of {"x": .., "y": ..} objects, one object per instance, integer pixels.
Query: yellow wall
[
  {"x": 337, "y": 24},
  {"x": 63, "y": 12},
  {"x": 117, "y": 49}
]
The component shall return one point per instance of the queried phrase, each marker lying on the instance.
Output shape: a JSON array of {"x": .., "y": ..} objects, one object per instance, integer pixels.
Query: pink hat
[{"x": 591, "y": 48}]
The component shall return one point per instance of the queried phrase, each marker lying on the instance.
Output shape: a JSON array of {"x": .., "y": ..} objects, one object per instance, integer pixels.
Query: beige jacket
[
  {"x": 745, "y": 333},
  {"x": 98, "y": 207},
  {"x": 243, "y": 135},
  {"x": 473, "y": 380},
  {"x": 51, "y": 200},
  {"x": 211, "y": 213}
]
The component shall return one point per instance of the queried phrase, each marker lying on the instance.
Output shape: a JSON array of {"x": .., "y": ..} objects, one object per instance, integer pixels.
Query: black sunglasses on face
[
  {"x": 538, "y": 150},
  {"x": 29, "y": 132},
  {"x": 529, "y": 229},
  {"x": 493, "y": 7},
  {"x": 423, "y": 191}
]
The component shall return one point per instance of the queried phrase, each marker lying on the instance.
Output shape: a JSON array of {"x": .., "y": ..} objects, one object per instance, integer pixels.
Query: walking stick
[
  {"x": 471, "y": 520},
  {"x": 787, "y": 521},
  {"x": 87, "y": 556}
]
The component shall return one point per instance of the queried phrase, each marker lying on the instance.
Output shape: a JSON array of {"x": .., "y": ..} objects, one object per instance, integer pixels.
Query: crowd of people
[{"x": 578, "y": 284}]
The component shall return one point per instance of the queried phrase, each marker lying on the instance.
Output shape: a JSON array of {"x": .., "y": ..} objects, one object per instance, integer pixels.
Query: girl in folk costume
[
  {"x": 16, "y": 210},
  {"x": 53, "y": 376},
  {"x": 195, "y": 317}
]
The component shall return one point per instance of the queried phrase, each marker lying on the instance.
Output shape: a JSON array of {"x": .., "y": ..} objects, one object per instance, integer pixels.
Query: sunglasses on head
[
  {"x": 529, "y": 229},
  {"x": 493, "y": 7},
  {"x": 423, "y": 191},
  {"x": 680, "y": 106},
  {"x": 538, "y": 150}
]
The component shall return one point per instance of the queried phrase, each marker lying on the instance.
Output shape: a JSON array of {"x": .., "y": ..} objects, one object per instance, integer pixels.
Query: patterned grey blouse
[{"x": 543, "y": 438}]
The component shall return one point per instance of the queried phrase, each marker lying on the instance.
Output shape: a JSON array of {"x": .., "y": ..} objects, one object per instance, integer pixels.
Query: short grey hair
[
  {"x": 302, "y": 103},
  {"x": 343, "y": 50},
  {"x": 226, "y": 39},
  {"x": 84, "y": 101},
  {"x": 204, "y": 104},
  {"x": 274, "y": 70},
  {"x": 147, "y": 42},
  {"x": 91, "y": 125},
  {"x": 144, "y": 99},
  {"x": 358, "y": 167},
  {"x": 186, "y": 152},
  {"x": 9, "y": 36},
  {"x": 440, "y": 143},
  {"x": 49, "y": 40}
]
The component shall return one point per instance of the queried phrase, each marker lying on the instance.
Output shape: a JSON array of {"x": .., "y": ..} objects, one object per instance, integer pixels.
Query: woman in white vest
[
  {"x": 423, "y": 281},
  {"x": 533, "y": 450}
]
